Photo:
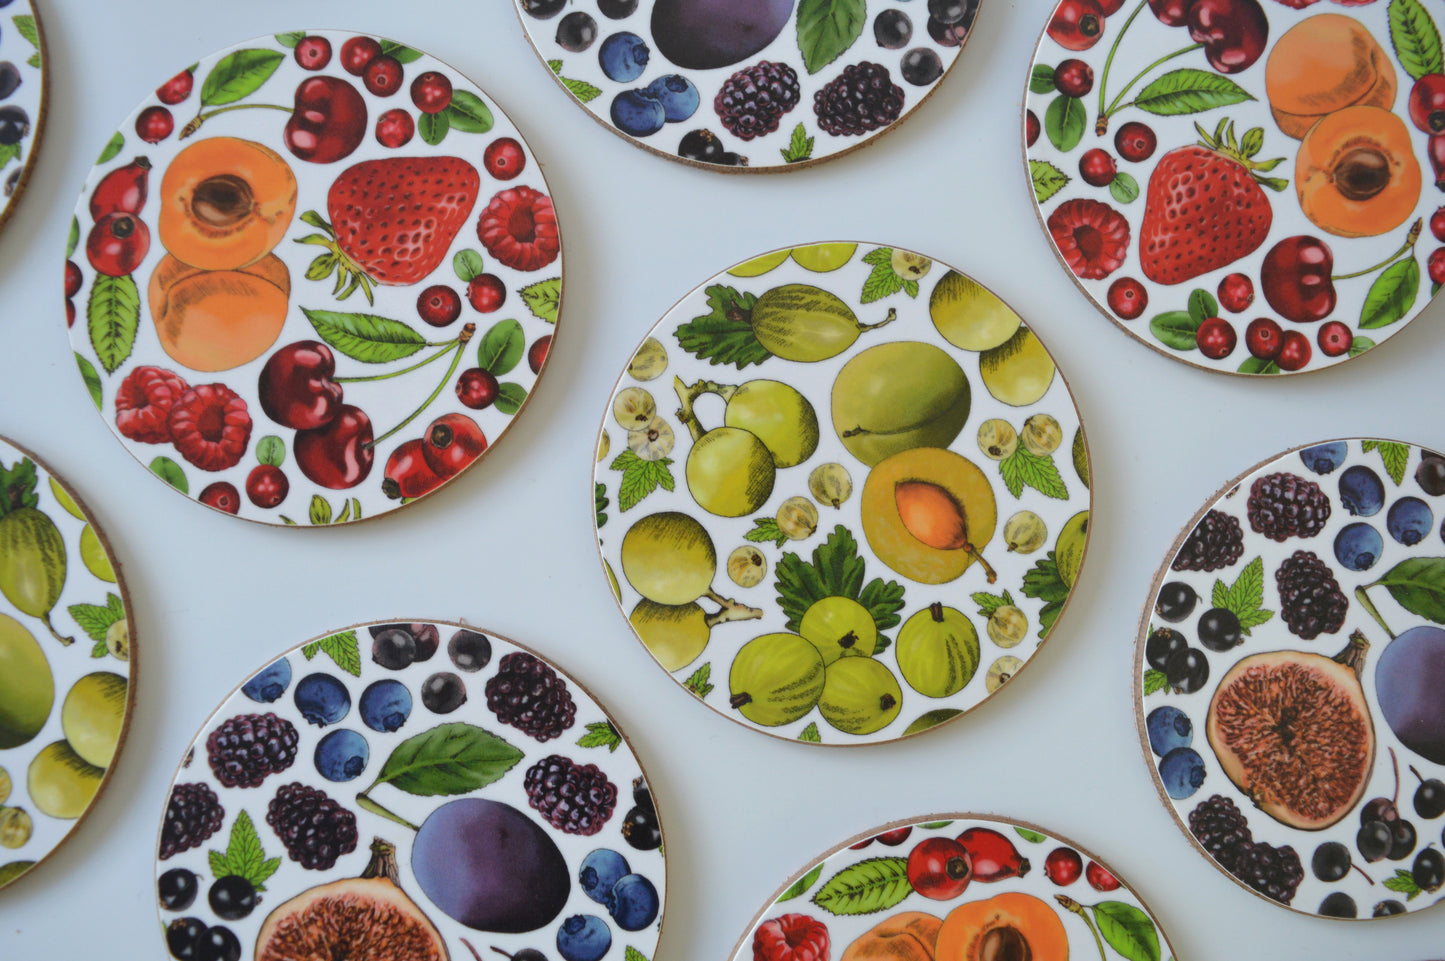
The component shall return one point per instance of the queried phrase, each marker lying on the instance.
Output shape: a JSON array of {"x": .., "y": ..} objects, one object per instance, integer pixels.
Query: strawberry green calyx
[
  {"x": 349, "y": 274},
  {"x": 1242, "y": 151}
]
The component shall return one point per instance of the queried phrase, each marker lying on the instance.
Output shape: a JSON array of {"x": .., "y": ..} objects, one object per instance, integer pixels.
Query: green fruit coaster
[
  {"x": 1289, "y": 674},
  {"x": 313, "y": 277},
  {"x": 418, "y": 791},
  {"x": 748, "y": 84},
  {"x": 842, "y": 493},
  {"x": 955, "y": 887},
  {"x": 1249, "y": 186},
  {"x": 65, "y": 636},
  {"x": 22, "y": 98}
]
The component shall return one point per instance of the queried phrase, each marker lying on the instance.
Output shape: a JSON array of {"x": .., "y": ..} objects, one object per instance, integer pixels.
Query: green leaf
[
  {"x": 1252, "y": 142},
  {"x": 1128, "y": 930},
  {"x": 1394, "y": 455},
  {"x": 1047, "y": 179},
  {"x": 800, "y": 146},
  {"x": 632, "y": 954},
  {"x": 988, "y": 603},
  {"x": 94, "y": 619},
  {"x": 112, "y": 148},
  {"x": 1403, "y": 882},
  {"x": 600, "y": 501},
  {"x": 343, "y": 649},
  {"x": 1361, "y": 344},
  {"x": 320, "y": 511},
  {"x": 1031, "y": 836},
  {"x": 801, "y": 886},
  {"x": 25, "y": 26},
  {"x": 244, "y": 855},
  {"x": 271, "y": 450},
  {"x": 238, "y": 75},
  {"x": 1254, "y": 365},
  {"x": 600, "y": 734},
  {"x": 170, "y": 472},
  {"x": 543, "y": 298},
  {"x": 449, "y": 759},
  {"x": 1187, "y": 91},
  {"x": 1042, "y": 582},
  {"x": 697, "y": 681},
  {"x": 765, "y": 530},
  {"x": 511, "y": 397},
  {"x": 468, "y": 113},
  {"x": 936, "y": 825},
  {"x": 91, "y": 377},
  {"x": 365, "y": 337},
  {"x": 876, "y": 884},
  {"x": 401, "y": 52},
  {"x": 1415, "y": 38},
  {"x": 1065, "y": 122},
  {"x": 723, "y": 336},
  {"x": 468, "y": 264},
  {"x": 291, "y": 38},
  {"x": 640, "y": 478},
  {"x": 810, "y": 734},
  {"x": 1124, "y": 188},
  {"x": 1175, "y": 329},
  {"x": 1391, "y": 295},
  {"x": 1202, "y": 306},
  {"x": 113, "y": 316},
  {"x": 433, "y": 127},
  {"x": 827, "y": 28},
  {"x": 17, "y": 486},
  {"x": 1021, "y": 469},
  {"x": 74, "y": 239},
  {"x": 1042, "y": 79},
  {"x": 883, "y": 281},
  {"x": 501, "y": 348},
  {"x": 1418, "y": 585},
  {"x": 1245, "y": 598},
  {"x": 1154, "y": 682}
]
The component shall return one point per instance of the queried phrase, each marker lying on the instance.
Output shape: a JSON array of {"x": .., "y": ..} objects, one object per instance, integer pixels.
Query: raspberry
[
  {"x": 1283, "y": 504},
  {"x": 193, "y": 814},
  {"x": 315, "y": 829},
  {"x": 791, "y": 937},
  {"x": 519, "y": 228},
  {"x": 752, "y": 101},
  {"x": 144, "y": 400},
  {"x": 1310, "y": 598},
  {"x": 574, "y": 798},
  {"x": 862, "y": 98},
  {"x": 1216, "y": 542},
  {"x": 1092, "y": 237},
  {"x": 528, "y": 695},
  {"x": 210, "y": 427},
  {"x": 246, "y": 748},
  {"x": 1273, "y": 872},
  {"x": 1221, "y": 829}
]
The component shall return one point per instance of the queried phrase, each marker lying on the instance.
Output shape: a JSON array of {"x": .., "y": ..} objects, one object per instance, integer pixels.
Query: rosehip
[
  {"x": 407, "y": 472},
  {"x": 1334, "y": 338},
  {"x": 1236, "y": 293},
  {"x": 1076, "y": 24},
  {"x": 451, "y": 442},
  {"x": 895, "y": 837},
  {"x": 1263, "y": 338},
  {"x": 1216, "y": 338},
  {"x": 1294, "y": 351},
  {"x": 1097, "y": 168},
  {"x": 992, "y": 855},
  {"x": 1427, "y": 103},
  {"x": 939, "y": 868},
  {"x": 117, "y": 244},
  {"x": 1128, "y": 298}
]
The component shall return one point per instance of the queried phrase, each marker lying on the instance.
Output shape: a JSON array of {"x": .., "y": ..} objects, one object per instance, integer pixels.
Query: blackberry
[
  {"x": 861, "y": 98},
  {"x": 1273, "y": 872},
  {"x": 193, "y": 814},
  {"x": 529, "y": 695},
  {"x": 1310, "y": 598},
  {"x": 752, "y": 101},
  {"x": 574, "y": 798},
  {"x": 315, "y": 829},
  {"x": 1221, "y": 829},
  {"x": 1285, "y": 504},
  {"x": 1216, "y": 541},
  {"x": 246, "y": 748}
]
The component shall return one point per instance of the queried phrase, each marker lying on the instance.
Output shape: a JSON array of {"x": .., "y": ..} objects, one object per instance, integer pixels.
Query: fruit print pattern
[
  {"x": 842, "y": 493},
  {"x": 457, "y": 786},
  {"x": 22, "y": 100},
  {"x": 752, "y": 84},
  {"x": 317, "y": 319},
  {"x": 955, "y": 886},
  {"x": 65, "y": 661},
  {"x": 1265, "y": 200},
  {"x": 1288, "y": 676}
]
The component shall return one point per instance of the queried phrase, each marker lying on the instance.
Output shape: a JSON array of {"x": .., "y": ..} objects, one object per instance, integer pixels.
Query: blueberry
[
  {"x": 183, "y": 937},
  {"x": 616, "y": 9},
  {"x": 637, "y": 113},
  {"x": 1430, "y": 475},
  {"x": 1182, "y": 771},
  {"x": 469, "y": 651},
  {"x": 677, "y": 95},
  {"x": 1169, "y": 728},
  {"x": 1162, "y": 645},
  {"x": 623, "y": 56},
  {"x": 633, "y": 903},
  {"x": 9, "y": 79},
  {"x": 1176, "y": 601},
  {"x": 543, "y": 9},
  {"x": 14, "y": 125},
  {"x": 322, "y": 699},
  {"x": 1361, "y": 491},
  {"x": 232, "y": 897},
  {"x": 443, "y": 692},
  {"x": 1331, "y": 861},
  {"x": 1323, "y": 458},
  {"x": 1409, "y": 520},
  {"x": 178, "y": 888},
  {"x": 921, "y": 66},
  {"x": 576, "y": 31},
  {"x": 1338, "y": 905},
  {"x": 1187, "y": 670},
  {"x": 269, "y": 683},
  {"x": 892, "y": 29},
  {"x": 342, "y": 755},
  {"x": 583, "y": 937},
  {"x": 1358, "y": 546},
  {"x": 600, "y": 871},
  {"x": 393, "y": 648},
  {"x": 385, "y": 706},
  {"x": 1219, "y": 629}
]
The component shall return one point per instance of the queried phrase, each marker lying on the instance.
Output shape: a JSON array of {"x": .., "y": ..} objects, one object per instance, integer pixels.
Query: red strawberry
[
  {"x": 392, "y": 220},
  {"x": 1205, "y": 209}
]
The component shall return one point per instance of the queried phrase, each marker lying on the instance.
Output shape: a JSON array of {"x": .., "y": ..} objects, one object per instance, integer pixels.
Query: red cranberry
[
  {"x": 1128, "y": 298},
  {"x": 154, "y": 124},
  {"x": 328, "y": 121},
  {"x": 1335, "y": 339},
  {"x": 267, "y": 486},
  {"x": 222, "y": 496},
  {"x": 431, "y": 92},
  {"x": 504, "y": 158},
  {"x": 383, "y": 76},
  {"x": 296, "y": 388},
  {"x": 451, "y": 442},
  {"x": 1437, "y": 224},
  {"x": 339, "y": 454},
  {"x": 439, "y": 305},
  {"x": 1099, "y": 877},
  {"x": 1294, "y": 351},
  {"x": 1234, "y": 32},
  {"x": 477, "y": 388},
  {"x": 939, "y": 868},
  {"x": 73, "y": 278},
  {"x": 1097, "y": 168},
  {"x": 1236, "y": 293},
  {"x": 357, "y": 53},
  {"x": 1264, "y": 338},
  {"x": 176, "y": 89},
  {"x": 70, "y": 313},
  {"x": 1063, "y": 866},
  {"x": 117, "y": 244},
  {"x": 313, "y": 53},
  {"x": 860, "y": 845},
  {"x": 1076, "y": 24},
  {"x": 407, "y": 473},
  {"x": 1031, "y": 128},
  {"x": 395, "y": 128},
  {"x": 1295, "y": 278},
  {"x": 895, "y": 837},
  {"x": 486, "y": 293},
  {"x": 1216, "y": 338},
  {"x": 1135, "y": 141},
  {"x": 1427, "y": 103},
  {"x": 1074, "y": 78},
  {"x": 1172, "y": 13},
  {"x": 537, "y": 353},
  {"x": 122, "y": 191},
  {"x": 1436, "y": 265}
]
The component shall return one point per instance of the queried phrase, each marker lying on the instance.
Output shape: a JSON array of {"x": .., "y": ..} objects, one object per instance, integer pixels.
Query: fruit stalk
[
  {"x": 460, "y": 348},
  {"x": 1101, "y": 127},
  {"x": 447, "y": 347},
  {"x": 687, "y": 395},
  {"x": 200, "y": 118},
  {"x": 729, "y": 610},
  {"x": 1353, "y": 657},
  {"x": 1102, "y": 124},
  {"x": 1370, "y": 609},
  {"x": 1070, "y": 904},
  {"x": 1408, "y": 245},
  {"x": 364, "y": 801}
]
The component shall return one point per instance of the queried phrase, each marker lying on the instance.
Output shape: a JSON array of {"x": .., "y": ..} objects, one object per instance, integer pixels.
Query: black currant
[
  {"x": 1429, "y": 796},
  {"x": 14, "y": 125},
  {"x": 1331, "y": 861},
  {"x": 469, "y": 650},
  {"x": 9, "y": 79},
  {"x": 617, "y": 9},
  {"x": 529, "y": 954},
  {"x": 1379, "y": 809},
  {"x": 946, "y": 34},
  {"x": 948, "y": 11},
  {"x": 183, "y": 937},
  {"x": 1176, "y": 601},
  {"x": 543, "y": 9},
  {"x": 700, "y": 145},
  {"x": 1162, "y": 644},
  {"x": 178, "y": 888},
  {"x": 1373, "y": 840},
  {"x": 219, "y": 944},
  {"x": 1429, "y": 869},
  {"x": 394, "y": 649},
  {"x": 892, "y": 29},
  {"x": 640, "y": 829},
  {"x": 1219, "y": 629},
  {"x": 1339, "y": 905},
  {"x": 1402, "y": 840},
  {"x": 443, "y": 692},
  {"x": 1187, "y": 670},
  {"x": 921, "y": 66},
  {"x": 576, "y": 31},
  {"x": 1386, "y": 909},
  {"x": 232, "y": 897},
  {"x": 642, "y": 794},
  {"x": 1430, "y": 475},
  {"x": 428, "y": 638}
]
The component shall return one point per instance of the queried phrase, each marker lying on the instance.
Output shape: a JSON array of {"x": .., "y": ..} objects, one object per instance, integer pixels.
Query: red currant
[
  {"x": 1436, "y": 265},
  {"x": 73, "y": 278},
  {"x": 939, "y": 868},
  {"x": 431, "y": 92},
  {"x": 1031, "y": 127},
  {"x": 1236, "y": 293},
  {"x": 395, "y": 128},
  {"x": 1135, "y": 141},
  {"x": 1437, "y": 224},
  {"x": 439, "y": 305},
  {"x": 1099, "y": 877},
  {"x": 1427, "y": 103},
  {"x": 313, "y": 53},
  {"x": 1263, "y": 338},
  {"x": 895, "y": 837},
  {"x": 1077, "y": 24},
  {"x": 477, "y": 388},
  {"x": 222, "y": 496},
  {"x": 1128, "y": 298},
  {"x": 451, "y": 442},
  {"x": 357, "y": 53},
  {"x": 504, "y": 158},
  {"x": 486, "y": 293},
  {"x": 407, "y": 473},
  {"x": 537, "y": 353},
  {"x": 1097, "y": 168},
  {"x": 1216, "y": 338},
  {"x": 1335, "y": 338},
  {"x": 267, "y": 486},
  {"x": 1063, "y": 866},
  {"x": 117, "y": 244},
  {"x": 1074, "y": 78},
  {"x": 154, "y": 124},
  {"x": 1294, "y": 351},
  {"x": 383, "y": 76},
  {"x": 176, "y": 89}
]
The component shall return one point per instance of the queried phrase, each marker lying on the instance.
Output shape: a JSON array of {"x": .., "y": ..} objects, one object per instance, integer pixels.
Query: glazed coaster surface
[
  {"x": 22, "y": 99},
  {"x": 955, "y": 886},
  {"x": 422, "y": 785},
  {"x": 1288, "y": 679},
  {"x": 754, "y": 85},
  {"x": 313, "y": 277},
  {"x": 65, "y": 634},
  {"x": 844, "y": 477},
  {"x": 1245, "y": 187}
]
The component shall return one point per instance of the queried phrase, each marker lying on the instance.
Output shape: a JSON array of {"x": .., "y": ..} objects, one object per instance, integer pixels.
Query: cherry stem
[
  {"x": 201, "y": 118},
  {"x": 1408, "y": 245},
  {"x": 1103, "y": 121},
  {"x": 474, "y": 950},
  {"x": 364, "y": 801},
  {"x": 1102, "y": 126},
  {"x": 460, "y": 348},
  {"x": 447, "y": 347},
  {"x": 1370, "y": 609},
  {"x": 1075, "y": 907},
  {"x": 730, "y": 610},
  {"x": 1363, "y": 872}
]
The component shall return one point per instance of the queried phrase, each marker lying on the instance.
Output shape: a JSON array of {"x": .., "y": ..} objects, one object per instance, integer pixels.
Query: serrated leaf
[
  {"x": 469, "y": 113},
  {"x": 434, "y": 127},
  {"x": 244, "y": 855},
  {"x": 836, "y": 571},
  {"x": 1124, "y": 188},
  {"x": 1065, "y": 122},
  {"x": 1245, "y": 596},
  {"x": 449, "y": 759},
  {"x": 1176, "y": 329},
  {"x": 1031, "y": 836},
  {"x": 1395, "y": 457},
  {"x": 1403, "y": 882},
  {"x": 600, "y": 734},
  {"x": 882, "y": 282},
  {"x": 765, "y": 530},
  {"x": 723, "y": 336},
  {"x": 1024, "y": 469},
  {"x": 501, "y": 348},
  {"x": 543, "y": 298},
  {"x": 1047, "y": 179},
  {"x": 271, "y": 450},
  {"x": 988, "y": 603},
  {"x": 91, "y": 376},
  {"x": 1418, "y": 585},
  {"x": 801, "y": 886},
  {"x": 1187, "y": 91},
  {"x": 827, "y": 28},
  {"x": 876, "y": 884},
  {"x": 580, "y": 89},
  {"x": 468, "y": 264},
  {"x": 365, "y": 337},
  {"x": 93, "y": 619},
  {"x": 632, "y": 954},
  {"x": 1154, "y": 682},
  {"x": 800, "y": 146},
  {"x": 170, "y": 472},
  {"x": 1254, "y": 619},
  {"x": 1202, "y": 306},
  {"x": 1391, "y": 295},
  {"x": 1415, "y": 38},
  {"x": 238, "y": 75},
  {"x": 697, "y": 681},
  {"x": 810, "y": 733},
  {"x": 1041, "y": 80},
  {"x": 1128, "y": 930},
  {"x": 640, "y": 478},
  {"x": 113, "y": 318},
  {"x": 320, "y": 511},
  {"x": 343, "y": 648},
  {"x": 112, "y": 147}
]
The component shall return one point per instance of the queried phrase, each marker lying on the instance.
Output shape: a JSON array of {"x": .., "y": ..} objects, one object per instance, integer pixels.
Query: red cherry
[
  {"x": 1097, "y": 168},
  {"x": 1031, "y": 128},
  {"x": 1073, "y": 78},
  {"x": 117, "y": 244},
  {"x": 1077, "y": 24},
  {"x": 1437, "y": 224},
  {"x": 477, "y": 388},
  {"x": 407, "y": 472},
  {"x": 154, "y": 124},
  {"x": 339, "y": 454},
  {"x": 1135, "y": 141},
  {"x": 1427, "y": 103},
  {"x": 1236, "y": 293},
  {"x": 431, "y": 92},
  {"x": 451, "y": 442},
  {"x": 122, "y": 191},
  {"x": 1335, "y": 338},
  {"x": 383, "y": 76},
  {"x": 486, "y": 293},
  {"x": 1063, "y": 866},
  {"x": 313, "y": 53},
  {"x": 296, "y": 388},
  {"x": 328, "y": 121},
  {"x": 395, "y": 128},
  {"x": 1172, "y": 13},
  {"x": 1436, "y": 265},
  {"x": 222, "y": 496},
  {"x": 504, "y": 158},
  {"x": 176, "y": 89},
  {"x": 439, "y": 305},
  {"x": 1264, "y": 338},
  {"x": 357, "y": 52},
  {"x": 267, "y": 486},
  {"x": 992, "y": 855},
  {"x": 1216, "y": 338},
  {"x": 73, "y": 278},
  {"x": 939, "y": 868},
  {"x": 1099, "y": 878},
  {"x": 537, "y": 353},
  {"x": 1294, "y": 351},
  {"x": 895, "y": 837},
  {"x": 1128, "y": 298},
  {"x": 1234, "y": 32},
  {"x": 1295, "y": 278}
]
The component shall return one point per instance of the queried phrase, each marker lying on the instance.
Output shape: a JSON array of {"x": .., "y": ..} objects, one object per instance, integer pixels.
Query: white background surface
[{"x": 510, "y": 545}]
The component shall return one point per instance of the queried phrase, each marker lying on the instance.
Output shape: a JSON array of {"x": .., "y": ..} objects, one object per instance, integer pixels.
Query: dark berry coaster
[
  {"x": 410, "y": 790},
  {"x": 65, "y": 661},
  {"x": 748, "y": 85},
  {"x": 954, "y": 886},
  {"x": 1288, "y": 677},
  {"x": 1250, "y": 186},
  {"x": 24, "y": 84},
  {"x": 287, "y": 276},
  {"x": 842, "y": 493}
]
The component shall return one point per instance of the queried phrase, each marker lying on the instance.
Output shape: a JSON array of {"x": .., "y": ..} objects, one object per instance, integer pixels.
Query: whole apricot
[
  {"x": 214, "y": 320},
  {"x": 225, "y": 203},
  {"x": 1356, "y": 172},
  {"x": 1322, "y": 65}
]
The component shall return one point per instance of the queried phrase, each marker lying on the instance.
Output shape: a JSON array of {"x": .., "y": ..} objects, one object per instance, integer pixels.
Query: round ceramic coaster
[
  {"x": 1288, "y": 679},
  {"x": 413, "y": 790},
  {"x": 313, "y": 277},
  {"x": 954, "y": 887},
  {"x": 844, "y": 477},
  {"x": 1242, "y": 185},
  {"x": 22, "y": 98},
  {"x": 65, "y": 631},
  {"x": 748, "y": 84}
]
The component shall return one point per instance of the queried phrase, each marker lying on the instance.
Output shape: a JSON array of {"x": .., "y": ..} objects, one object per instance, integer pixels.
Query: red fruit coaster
[
  {"x": 313, "y": 277},
  {"x": 753, "y": 84},
  {"x": 1288, "y": 678},
  {"x": 23, "y": 101},
  {"x": 418, "y": 791},
  {"x": 65, "y": 661},
  {"x": 1242, "y": 185},
  {"x": 842, "y": 493},
  {"x": 955, "y": 886}
]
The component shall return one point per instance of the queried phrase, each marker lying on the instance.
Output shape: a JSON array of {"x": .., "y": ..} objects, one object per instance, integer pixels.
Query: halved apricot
[
  {"x": 225, "y": 203},
  {"x": 213, "y": 320},
  {"x": 1007, "y": 927},
  {"x": 909, "y": 936},
  {"x": 1324, "y": 64},
  {"x": 928, "y": 513},
  {"x": 1356, "y": 173}
]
